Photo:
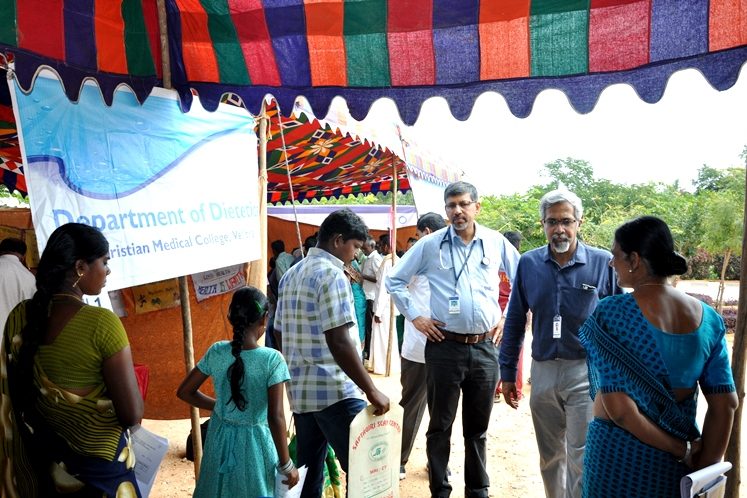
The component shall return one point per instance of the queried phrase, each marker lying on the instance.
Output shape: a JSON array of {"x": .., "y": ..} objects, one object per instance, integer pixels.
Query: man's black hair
[
  {"x": 278, "y": 246},
  {"x": 514, "y": 237},
  {"x": 343, "y": 222},
  {"x": 11, "y": 244},
  {"x": 460, "y": 188},
  {"x": 431, "y": 220}
]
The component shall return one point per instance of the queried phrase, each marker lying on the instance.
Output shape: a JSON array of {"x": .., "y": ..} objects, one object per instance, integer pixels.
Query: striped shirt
[
  {"x": 315, "y": 296},
  {"x": 75, "y": 357}
]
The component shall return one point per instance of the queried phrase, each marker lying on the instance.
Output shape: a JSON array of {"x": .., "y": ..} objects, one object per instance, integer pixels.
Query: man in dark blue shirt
[{"x": 561, "y": 284}]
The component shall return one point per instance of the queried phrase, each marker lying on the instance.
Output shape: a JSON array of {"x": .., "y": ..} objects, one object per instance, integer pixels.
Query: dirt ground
[
  {"x": 512, "y": 454},
  {"x": 512, "y": 451}
]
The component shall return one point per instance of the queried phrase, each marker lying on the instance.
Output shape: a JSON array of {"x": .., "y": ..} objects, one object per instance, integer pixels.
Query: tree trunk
[
  {"x": 721, "y": 285},
  {"x": 733, "y": 450}
]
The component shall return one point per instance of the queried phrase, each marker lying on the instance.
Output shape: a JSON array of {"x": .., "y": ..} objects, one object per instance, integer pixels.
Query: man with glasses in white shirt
[
  {"x": 462, "y": 264},
  {"x": 561, "y": 283}
]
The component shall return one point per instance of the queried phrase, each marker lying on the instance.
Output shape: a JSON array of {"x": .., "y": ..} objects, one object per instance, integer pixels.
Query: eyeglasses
[
  {"x": 464, "y": 205},
  {"x": 566, "y": 222}
]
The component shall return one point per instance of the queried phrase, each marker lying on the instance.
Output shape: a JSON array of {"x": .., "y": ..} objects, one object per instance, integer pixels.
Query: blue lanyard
[{"x": 447, "y": 238}]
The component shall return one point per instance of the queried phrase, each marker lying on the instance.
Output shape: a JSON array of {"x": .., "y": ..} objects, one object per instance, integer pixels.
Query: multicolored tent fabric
[
  {"x": 408, "y": 50},
  {"x": 11, "y": 165},
  {"x": 325, "y": 162}
]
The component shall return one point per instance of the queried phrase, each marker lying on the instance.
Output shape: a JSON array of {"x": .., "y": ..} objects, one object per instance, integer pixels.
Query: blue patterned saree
[{"x": 624, "y": 355}]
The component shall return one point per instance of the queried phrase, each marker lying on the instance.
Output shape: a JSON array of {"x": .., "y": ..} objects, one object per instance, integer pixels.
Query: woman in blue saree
[{"x": 648, "y": 350}]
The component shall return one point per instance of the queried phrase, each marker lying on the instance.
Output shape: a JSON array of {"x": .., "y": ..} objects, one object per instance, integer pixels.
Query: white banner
[{"x": 174, "y": 193}]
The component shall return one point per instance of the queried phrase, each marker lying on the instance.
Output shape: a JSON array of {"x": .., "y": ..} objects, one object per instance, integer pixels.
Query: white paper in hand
[
  {"x": 708, "y": 482},
  {"x": 149, "y": 451},
  {"x": 282, "y": 491}
]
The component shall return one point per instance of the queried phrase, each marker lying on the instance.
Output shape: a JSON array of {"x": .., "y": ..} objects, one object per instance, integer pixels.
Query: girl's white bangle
[{"x": 287, "y": 467}]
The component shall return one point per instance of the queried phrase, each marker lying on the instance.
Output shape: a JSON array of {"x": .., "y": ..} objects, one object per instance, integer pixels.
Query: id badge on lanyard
[
  {"x": 454, "y": 307},
  {"x": 557, "y": 322}
]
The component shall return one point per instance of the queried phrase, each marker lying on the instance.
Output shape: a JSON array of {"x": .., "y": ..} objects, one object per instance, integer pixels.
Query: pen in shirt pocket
[{"x": 588, "y": 287}]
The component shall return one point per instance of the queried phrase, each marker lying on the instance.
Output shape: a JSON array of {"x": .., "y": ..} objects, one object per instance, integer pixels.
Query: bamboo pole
[
  {"x": 189, "y": 362},
  {"x": 163, "y": 30},
  {"x": 189, "y": 354},
  {"x": 733, "y": 450},
  {"x": 258, "y": 268}
]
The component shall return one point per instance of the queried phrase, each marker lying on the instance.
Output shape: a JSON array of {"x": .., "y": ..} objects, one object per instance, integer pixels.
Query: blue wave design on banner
[{"x": 111, "y": 152}]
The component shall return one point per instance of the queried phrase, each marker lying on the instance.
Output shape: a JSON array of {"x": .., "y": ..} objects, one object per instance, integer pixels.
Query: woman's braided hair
[{"x": 248, "y": 306}]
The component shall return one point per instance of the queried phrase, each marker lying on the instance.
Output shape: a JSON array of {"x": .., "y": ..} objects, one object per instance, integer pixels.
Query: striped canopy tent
[
  {"x": 407, "y": 50},
  {"x": 326, "y": 162}
]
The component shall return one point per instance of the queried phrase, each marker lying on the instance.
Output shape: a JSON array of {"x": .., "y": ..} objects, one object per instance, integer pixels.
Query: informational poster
[
  {"x": 374, "y": 451},
  {"x": 174, "y": 193},
  {"x": 156, "y": 296},
  {"x": 220, "y": 281}
]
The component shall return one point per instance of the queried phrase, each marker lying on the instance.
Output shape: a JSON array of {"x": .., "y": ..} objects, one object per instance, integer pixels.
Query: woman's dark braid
[
  {"x": 236, "y": 370},
  {"x": 248, "y": 306}
]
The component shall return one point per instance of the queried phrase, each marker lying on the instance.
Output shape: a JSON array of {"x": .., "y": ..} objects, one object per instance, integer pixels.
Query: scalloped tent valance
[{"x": 406, "y": 50}]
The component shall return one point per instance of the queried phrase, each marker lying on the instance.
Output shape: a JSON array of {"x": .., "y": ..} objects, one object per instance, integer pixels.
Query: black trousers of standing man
[{"x": 452, "y": 369}]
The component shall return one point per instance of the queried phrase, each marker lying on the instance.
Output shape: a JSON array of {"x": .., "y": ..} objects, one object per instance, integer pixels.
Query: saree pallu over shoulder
[
  {"x": 82, "y": 432},
  {"x": 618, "y": 363},
  {"x": 624, "y": 356},
  {"x": 87, "y": 423}
]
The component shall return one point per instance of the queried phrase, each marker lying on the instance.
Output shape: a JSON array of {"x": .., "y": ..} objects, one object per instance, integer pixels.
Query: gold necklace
[{"x": 67, "y": 294}]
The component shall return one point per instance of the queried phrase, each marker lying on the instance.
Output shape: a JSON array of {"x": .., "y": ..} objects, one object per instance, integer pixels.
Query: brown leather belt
[{"x": 465, "y": 338}]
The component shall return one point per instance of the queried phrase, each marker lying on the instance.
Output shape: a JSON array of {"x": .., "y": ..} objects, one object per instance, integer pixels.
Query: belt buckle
[{"x": 466, "y": 339}]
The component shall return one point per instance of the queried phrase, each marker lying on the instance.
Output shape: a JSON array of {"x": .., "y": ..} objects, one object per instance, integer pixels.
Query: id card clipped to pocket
[
  {"x": 454, "y": 308},
  {"x": 557, "y": 322}
]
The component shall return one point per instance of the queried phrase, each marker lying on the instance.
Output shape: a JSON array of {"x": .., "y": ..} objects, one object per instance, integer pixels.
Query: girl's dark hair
[
  {"x": 248, "y": 306},
  {"x": 651, "y": 239},
  {"x": 67, "y": 244}
]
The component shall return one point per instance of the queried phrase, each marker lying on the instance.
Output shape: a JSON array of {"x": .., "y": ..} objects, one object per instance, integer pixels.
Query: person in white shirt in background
[
  {"x": 412, "y": 374},
  {"x": 16, "y": 281},
  {"x": 368, "y": 272},
  {"x": 383, "y": 326}
]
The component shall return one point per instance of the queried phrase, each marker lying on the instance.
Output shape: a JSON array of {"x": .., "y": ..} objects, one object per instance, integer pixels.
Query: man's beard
[{"x": 561, "y": 245}]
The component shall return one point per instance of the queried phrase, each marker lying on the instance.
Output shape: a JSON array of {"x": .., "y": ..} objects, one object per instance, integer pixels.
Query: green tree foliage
[
  {"x": 721, "y": 198},
  {"x": 16, "y": 195},
  {"x": 705, "y": 223},
  {"x": 607, "y": 205}
]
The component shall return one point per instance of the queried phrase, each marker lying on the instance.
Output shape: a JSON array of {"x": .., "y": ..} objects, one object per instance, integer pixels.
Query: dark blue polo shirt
[{"x": 546, "y": 289}]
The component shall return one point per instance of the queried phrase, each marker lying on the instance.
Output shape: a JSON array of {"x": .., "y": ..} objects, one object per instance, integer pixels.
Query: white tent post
[
  {"x": 189, "y": 353},
  {"x": 393, "y": 254}
]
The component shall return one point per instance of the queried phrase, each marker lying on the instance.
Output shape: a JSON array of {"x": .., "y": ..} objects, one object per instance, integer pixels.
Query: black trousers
[
  {"x": 369, "y": 326},
  {"x": 413, "y": 402},
  {"x": 472, "y": 371}
]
